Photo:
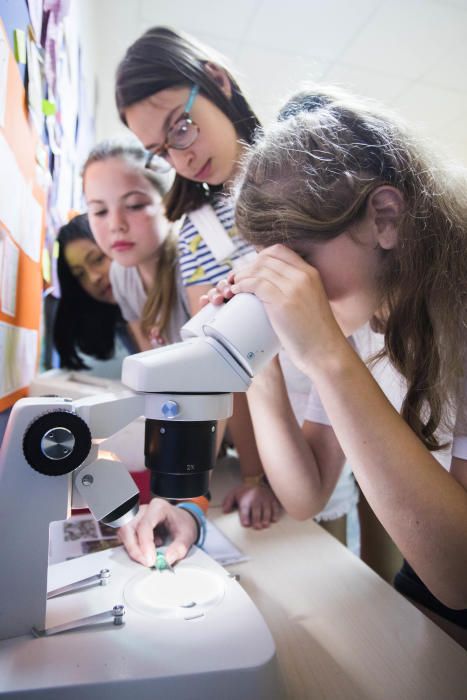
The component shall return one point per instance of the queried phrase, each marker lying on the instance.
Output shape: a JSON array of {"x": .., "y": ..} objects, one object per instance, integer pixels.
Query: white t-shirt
[
  {"x": 394, "y": 386},
  {"x": 345, "y": 494},
  {"x": 131, "y": 297}
]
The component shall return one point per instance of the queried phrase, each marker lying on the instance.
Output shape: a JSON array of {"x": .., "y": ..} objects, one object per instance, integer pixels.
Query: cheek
[
  {"x": 105, "y": 269},
  {"x": 100, "y": 232},
  {"x": 88, "y": 288},
  {"x": 148, "y": 226}
]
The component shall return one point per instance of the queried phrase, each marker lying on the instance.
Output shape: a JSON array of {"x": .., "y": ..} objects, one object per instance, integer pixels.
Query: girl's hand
[
  {"x": 150, "y": 528},
  {"x": 155, "y": 338},
  {"x": 257, "y": 505},
  {"x": 296, "y": 303},
  {"x": 218, "y": 294}
]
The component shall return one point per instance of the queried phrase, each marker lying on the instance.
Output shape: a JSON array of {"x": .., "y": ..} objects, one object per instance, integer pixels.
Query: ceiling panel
[
  {"x": 288, "y": 70},
  {"x": 226, "y": 19},
  {"x": 404, "y": 37},
  {"x": 366, "y": 81},
  {"x": 313, "y": 27},
  {"x": 410, "y": 54}
]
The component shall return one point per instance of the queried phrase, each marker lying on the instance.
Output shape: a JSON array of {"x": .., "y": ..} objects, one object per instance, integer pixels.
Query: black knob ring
[{"x": 56, "y": 443}]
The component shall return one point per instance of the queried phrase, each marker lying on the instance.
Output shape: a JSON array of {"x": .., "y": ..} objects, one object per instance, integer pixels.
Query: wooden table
[{"x": 341, "y": 632}]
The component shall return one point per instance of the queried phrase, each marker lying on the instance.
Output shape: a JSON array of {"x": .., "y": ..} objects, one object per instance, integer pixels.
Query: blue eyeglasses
[{"x": 180, "y": 135}]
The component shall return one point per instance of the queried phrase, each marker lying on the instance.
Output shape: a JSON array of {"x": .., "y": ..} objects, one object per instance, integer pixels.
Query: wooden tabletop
[{"x": 341, "y": 632}]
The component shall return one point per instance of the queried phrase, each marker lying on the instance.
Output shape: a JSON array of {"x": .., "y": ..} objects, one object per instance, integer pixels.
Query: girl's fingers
[
  {"x": 229, "y": 502},
  {"x": 129, "y": 539},
  {"x": 276, "y": 510}
]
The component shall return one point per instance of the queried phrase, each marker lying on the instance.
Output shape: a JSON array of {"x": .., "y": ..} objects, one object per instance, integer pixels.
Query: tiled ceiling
[{"x": 409, "y": 54}]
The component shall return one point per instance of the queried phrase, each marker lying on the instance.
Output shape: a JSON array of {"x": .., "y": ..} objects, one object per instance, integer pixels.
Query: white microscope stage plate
[{"x": 186, "y": 593}]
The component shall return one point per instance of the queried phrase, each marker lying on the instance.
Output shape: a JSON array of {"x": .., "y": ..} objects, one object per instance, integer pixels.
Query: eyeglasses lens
[{"x": 182, "y": 134}]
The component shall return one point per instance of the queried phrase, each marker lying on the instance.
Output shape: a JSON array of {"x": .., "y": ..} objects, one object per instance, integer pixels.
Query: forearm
[
  {"x": 422, "y": 507},
  {"x": 241, "y": 431},
  {"x": 287, "y": 459},
  {"x": 141, "y": 340}
]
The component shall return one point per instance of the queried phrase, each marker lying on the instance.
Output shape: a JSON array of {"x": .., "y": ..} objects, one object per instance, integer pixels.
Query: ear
[
  {"x": 220, "y": 77},
  {"x": 385, "y": 208}
]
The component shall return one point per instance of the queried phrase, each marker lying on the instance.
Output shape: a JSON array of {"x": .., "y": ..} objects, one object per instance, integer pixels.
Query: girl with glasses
[
  {"x": 363, "y": 272},
  {"x": 192, "y": 117}
]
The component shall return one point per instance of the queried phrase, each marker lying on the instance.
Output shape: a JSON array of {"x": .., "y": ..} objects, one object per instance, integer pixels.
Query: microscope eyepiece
[{"x": 181, "y": 456}]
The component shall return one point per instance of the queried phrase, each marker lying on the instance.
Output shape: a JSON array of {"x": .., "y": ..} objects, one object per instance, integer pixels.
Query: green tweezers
[{"x": 161, "y": 563}]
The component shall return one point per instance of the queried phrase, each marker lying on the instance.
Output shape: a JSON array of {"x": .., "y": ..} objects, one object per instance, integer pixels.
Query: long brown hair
[
  {"x": 309, "y": 177},
  {"x": 163, "y": 294},
  {"x": 160, "y": 59}
]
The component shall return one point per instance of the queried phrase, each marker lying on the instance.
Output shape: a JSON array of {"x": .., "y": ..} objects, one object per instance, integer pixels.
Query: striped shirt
[{"x": 197, "y": 263}]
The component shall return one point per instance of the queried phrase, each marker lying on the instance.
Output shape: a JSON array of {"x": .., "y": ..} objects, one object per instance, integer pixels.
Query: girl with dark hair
[
  {"x": 190, "y": 114},
  {"x": 363, "y": 273},
  {"x": 89, "y": 331}
]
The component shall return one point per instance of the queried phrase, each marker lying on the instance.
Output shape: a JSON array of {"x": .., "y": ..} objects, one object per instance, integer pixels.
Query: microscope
[{"x": 49, "y": 460}]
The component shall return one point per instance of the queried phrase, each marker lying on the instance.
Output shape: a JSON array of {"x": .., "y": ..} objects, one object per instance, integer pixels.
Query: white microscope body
[{"x": 49, "y": 458}]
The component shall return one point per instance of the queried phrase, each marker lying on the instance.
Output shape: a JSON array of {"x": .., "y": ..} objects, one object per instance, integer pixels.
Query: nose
[
  {"x": 117, "y": 221},
  {"x": 95, "y": 276},
  {"x": 182, "y": 161}
]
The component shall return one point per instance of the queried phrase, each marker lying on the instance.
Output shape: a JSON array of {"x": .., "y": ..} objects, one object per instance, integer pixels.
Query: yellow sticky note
[
  {"x": 20, "y": 45},
  {"x": 48, "y": 108},
  {"x": 46, "y": 266}
]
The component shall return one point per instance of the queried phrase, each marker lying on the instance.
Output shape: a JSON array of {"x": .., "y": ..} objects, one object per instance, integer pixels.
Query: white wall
[{"x": 409, "y": 54}]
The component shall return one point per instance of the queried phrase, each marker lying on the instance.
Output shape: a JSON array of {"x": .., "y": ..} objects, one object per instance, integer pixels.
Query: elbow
[
  {"x": 455, "y": 600},
  {"x": 301, "y": 511},
  {"x": 452, "y": 594},
  {"x": 300, "y": 514}
]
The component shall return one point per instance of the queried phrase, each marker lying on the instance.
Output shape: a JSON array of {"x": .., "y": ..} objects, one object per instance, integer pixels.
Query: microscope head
[
  {"x": 188, "y": 387},
  {"x": 57, "y": 442}
]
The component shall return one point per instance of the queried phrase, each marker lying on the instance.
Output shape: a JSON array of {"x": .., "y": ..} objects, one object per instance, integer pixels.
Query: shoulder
[
  {"x": 221, "y": 207},
  {"x": 124, "y": 277}
]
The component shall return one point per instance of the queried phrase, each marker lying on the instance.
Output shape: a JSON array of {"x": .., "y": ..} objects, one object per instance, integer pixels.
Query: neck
[
  {"x": 147, "y": 271},
  {"x": 231, "y": 179}
]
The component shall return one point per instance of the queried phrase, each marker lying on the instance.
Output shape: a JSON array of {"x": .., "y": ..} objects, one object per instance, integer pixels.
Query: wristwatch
[{"x": 255, "y": 480}]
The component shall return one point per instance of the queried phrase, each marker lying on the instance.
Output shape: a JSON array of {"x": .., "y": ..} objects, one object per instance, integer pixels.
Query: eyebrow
[
  {"x": 165, "y": 125},
  {"x": 127, "y": 194}
]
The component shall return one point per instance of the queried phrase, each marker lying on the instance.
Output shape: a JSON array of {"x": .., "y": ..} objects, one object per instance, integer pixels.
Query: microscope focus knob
[{"x": 56, "y": 443}]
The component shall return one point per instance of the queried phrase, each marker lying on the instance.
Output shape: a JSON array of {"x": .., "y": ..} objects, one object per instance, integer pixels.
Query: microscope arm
[{"x": 105, "y": 415}]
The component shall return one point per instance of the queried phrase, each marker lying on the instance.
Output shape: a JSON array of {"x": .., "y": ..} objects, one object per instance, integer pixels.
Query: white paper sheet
[
  {"x": 81, "y": 534},
  {"x": 20, "y": 212},
  {"x": 9, "y": 274},
  {"x": 18, "y": 350},
  {"x": 220, "y": 548},
  {"x": 4, "y": 53}
]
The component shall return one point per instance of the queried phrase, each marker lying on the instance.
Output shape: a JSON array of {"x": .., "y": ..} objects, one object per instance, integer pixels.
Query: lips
[
  {"x": 204, "y": 172},
  {"x": 122, "y": 246},
  {"x": 107, "y": 292}
]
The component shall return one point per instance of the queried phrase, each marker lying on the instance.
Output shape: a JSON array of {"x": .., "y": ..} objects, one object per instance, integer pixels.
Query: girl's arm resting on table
[
  {"x": 256, "y": 502},
  {"x": 423, "y": 507},
  {"x": 139, "y": 337},
  {"x": 302, "y": 465}
]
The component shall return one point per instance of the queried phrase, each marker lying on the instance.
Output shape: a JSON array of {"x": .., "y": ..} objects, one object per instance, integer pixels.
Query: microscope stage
[{"x": 189, "y": 634}]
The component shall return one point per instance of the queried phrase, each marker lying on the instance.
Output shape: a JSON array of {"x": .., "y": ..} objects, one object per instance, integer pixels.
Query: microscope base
[{"x": 215, "y": 646}]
